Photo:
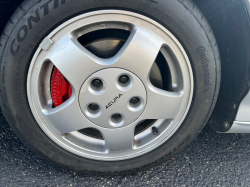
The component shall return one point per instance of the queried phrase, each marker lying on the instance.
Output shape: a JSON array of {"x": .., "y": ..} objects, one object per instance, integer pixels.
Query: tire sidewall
[{"x": 176, "y": 16}]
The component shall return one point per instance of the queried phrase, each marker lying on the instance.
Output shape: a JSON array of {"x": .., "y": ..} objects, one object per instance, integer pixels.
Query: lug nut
[
  {"x": 123, "y": 79},
  {"x": 93, "y": 106},
  {"x": 116, "y": 116},
  {"x": 97, "y": 83},
  {"x": 134, "y": 100}
]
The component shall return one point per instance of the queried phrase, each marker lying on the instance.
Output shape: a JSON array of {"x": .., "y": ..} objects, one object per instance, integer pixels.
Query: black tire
[{"x": 181, "y": 17}]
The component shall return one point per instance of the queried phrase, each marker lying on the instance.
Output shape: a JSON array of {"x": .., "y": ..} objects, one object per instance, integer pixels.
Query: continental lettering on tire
[
  {"x": 28, "y": 26},
  {"x": 201, "y": 52}
]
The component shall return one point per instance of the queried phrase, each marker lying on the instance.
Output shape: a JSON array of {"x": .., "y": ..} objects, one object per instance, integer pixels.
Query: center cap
[{"x": 112, "y": 98}]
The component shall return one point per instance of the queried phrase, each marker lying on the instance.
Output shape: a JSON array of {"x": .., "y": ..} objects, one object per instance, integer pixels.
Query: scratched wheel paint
[{"x": 110, "y": 91}]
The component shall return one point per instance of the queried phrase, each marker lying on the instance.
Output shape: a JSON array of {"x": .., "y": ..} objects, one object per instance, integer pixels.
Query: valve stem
[{"x": 154, "y": 130}]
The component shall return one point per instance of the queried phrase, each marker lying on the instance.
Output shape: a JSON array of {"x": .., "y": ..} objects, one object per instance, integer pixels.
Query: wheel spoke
[
  {"x": 139, "y": 52},
  {"x": 120, "y": 139},
  {"x": 73, "y": 61},
  {"x": 162, "y": 104},
  {"x": 67, "y": 117}
]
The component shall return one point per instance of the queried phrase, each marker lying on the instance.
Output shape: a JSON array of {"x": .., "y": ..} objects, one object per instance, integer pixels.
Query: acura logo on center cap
[{"x": 114, "y": 100}]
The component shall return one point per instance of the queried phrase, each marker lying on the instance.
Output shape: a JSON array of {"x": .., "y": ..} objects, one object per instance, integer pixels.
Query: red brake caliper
[{"x": 60, "y": 88}]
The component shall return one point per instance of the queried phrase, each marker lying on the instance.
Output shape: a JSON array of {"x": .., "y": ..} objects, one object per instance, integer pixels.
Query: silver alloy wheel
[{"x": 79, "y": 66}]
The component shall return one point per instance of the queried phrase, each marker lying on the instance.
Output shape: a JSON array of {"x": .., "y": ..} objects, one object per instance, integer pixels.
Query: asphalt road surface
[{"x": 213, "y": 159}]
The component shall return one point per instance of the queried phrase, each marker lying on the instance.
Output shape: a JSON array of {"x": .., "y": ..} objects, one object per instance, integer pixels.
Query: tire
[{"x": 181, "y": 17}]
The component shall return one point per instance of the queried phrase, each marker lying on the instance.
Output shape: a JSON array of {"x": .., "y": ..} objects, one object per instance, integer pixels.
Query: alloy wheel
[{"x": 113, "y": 109}]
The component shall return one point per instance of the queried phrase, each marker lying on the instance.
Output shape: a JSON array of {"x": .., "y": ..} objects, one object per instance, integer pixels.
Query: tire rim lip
[{"x": 90, "y": 154}]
